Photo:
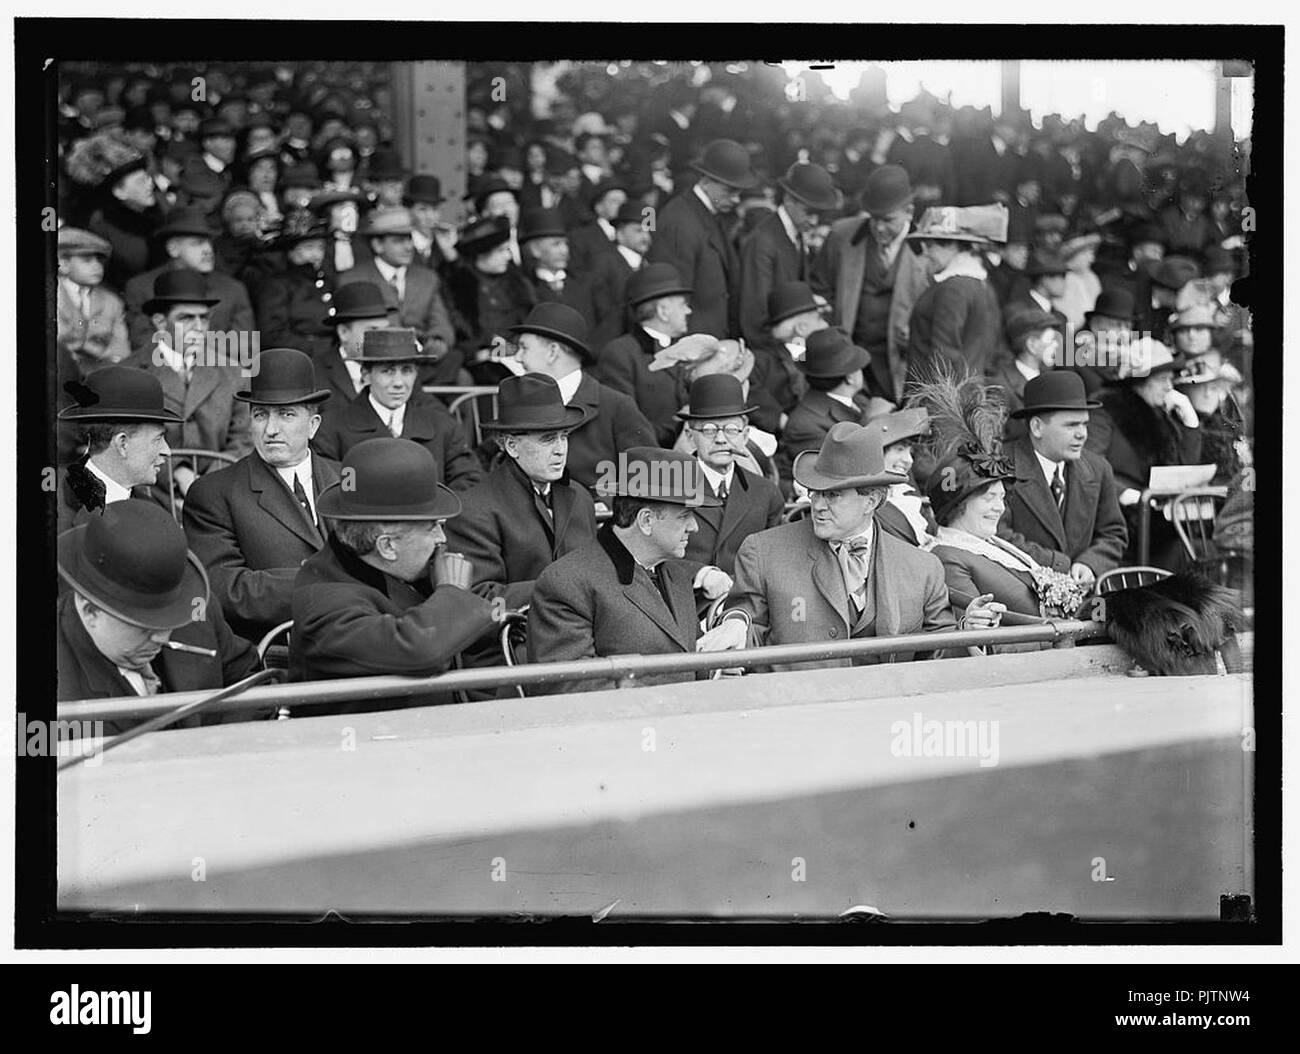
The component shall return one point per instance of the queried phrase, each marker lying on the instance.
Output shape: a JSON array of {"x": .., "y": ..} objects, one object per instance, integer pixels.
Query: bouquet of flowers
[{"x": 1059, "y": 594}]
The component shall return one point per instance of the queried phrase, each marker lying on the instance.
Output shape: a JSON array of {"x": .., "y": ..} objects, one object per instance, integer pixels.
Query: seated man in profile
[{"x": 833, "y": 575}]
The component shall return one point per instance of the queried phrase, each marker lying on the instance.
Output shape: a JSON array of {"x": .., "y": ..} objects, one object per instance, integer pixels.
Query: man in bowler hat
[
  {"x": 254, "y": 523},
  {"x": 356, "y": 308}
]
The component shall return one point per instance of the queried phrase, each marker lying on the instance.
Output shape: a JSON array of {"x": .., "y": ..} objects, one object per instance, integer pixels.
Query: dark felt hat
[
  {"x": 715, "y": 395},
  {"x": 215, "y": 126},
  {"x": 1044, "y": 261},
  {"x": 390, "y": 344},
  {"x": 831, "y": 353},
  {"x": 631, "y": 211},
  {"x": 425, "y": 189},
  {"x": 656, "y": 474},
  {"x": 178, "y": 287},
  {"x": 1113, "y": 302},
  {"x": 811, "y": 185},
  {"x": 887, "y": 189},
  {"x": 541, "y": 223},
  {"x": 900, "y": 425},
  {"x": 1028, "y": 320},
  {"x": 285, "y": 376},
  {"x": 1054, "y": 390},
  {"x": 386, "y": 163},
  {"x": 728, "y": 162},
  {"x": 787, "y": 300},
  {"x": 388, "y": 479},
  {"x": 489, "y": 187},
  {"x": 118, "y": 393},
  {"x": 654, "y": 281},
  {"x": 559, "y": 322},
  {"x": 533, "y": 403},
  {"x": 324, "y": 200},
  {"x": 850, "y": 456},
  {"x": 1175, "y": 272},
  {"x": 483, "y": 235},
  {"x": 961, "y": 475},
  {"x": 186, "y": 221},
  {"x": 132, "y": 562},
  {"x": 605, "y": 186},
  {"x": 356, "y": 300}
]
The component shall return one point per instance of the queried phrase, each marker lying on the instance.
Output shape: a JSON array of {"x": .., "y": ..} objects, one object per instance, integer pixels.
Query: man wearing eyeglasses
[{"x": 717, "y": 427}]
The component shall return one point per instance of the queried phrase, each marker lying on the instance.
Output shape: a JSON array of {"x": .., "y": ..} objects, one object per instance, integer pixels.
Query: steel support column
[{"x": 429, "y": 124}]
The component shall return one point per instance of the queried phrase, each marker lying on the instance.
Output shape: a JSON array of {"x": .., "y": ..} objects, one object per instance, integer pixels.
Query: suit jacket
[
  {"x": 1093, "y": 531},
  {"x": 251, "y": 534},
  {"x": 767, "y": 258},
  {"x": 809, "y": 424},
  {"x": 624, "y": 365},
  {"x": 613, "y": 424},
  {"x": 97, "y": 339},
  {"x": 486, "y": 306},
  {"x": 331, "y": 374},
  {"x": 352, "y": 620},
  {"x": 694, "y": 241},
  {"x": 421, "y": 307},
  {"x": 838, "y": 273},
  {"x": 426, "y": 422},
  {"x": 508, "y": 539},
  {"x": 233, "y": 314},
  {"x": 609, "y": 277},
  {"x": 777, "y": 374},
  {"x": 790, "y": 584},
  {"x": 586, "y": 245},
  {"x": 1004, "y": 373},
  {"x": 753, "y": 504},
  {"x": 959, "y": 320},
  {"x": 291, "y": 309},
  {"x": 578, "y": 292},
  {"x": 84, "y": 673},
  {"x": 597, "y": 601},
  {"x": 969, "y": 575},
  {"x": 1133, "y": 437},
  {"x": 213, "y": 419}
]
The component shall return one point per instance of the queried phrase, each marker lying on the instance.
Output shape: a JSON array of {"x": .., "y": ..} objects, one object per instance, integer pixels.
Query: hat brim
[
  {"x": 96, "y": 413},
  {"x": 546, "y": 232},
  {"x": 163, "y": 233},
  {"x": 704, "y": 500},
  {"x": 422, "y": 199},
  {"x": 861, "y": 360},
  {"x": 802, "y": 309},
  {"x": 658, "y": 294},
  {"x": 574, "y": 417},
  {"x": 555, "y": 334},
  {"x": 160, "y": 304},
  {"x": 1026, "y": 412},
  {"x": 354, "y": 316},
  {"x": 275, "y": 398},
  {"x": 877, "y": 210},
  {"x": 749, "y": 181},
  {"x": 172, "y": 611},
  {"x": 918, "y": 236},
  {"x": 392, "y": 360},
  {"x": 686, "y": 415},
  {"x": 336, "y": 504},
  {"x": 805, "y": 472},
  {"x": 819, "y": 205}
]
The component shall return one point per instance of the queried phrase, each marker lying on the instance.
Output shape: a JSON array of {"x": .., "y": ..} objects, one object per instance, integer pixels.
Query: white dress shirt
[
  {"x": 393, "y": 419},
  {"x": 389, "y": 273},
  {"x": 568, "y": 385},
  {"x": 791, "y": 231},
  {"x": 633, "y": 258},
  {"x": 659, "y": 338},
  {"x": 718, "y": 479},
  {"x": 213, "y": 162},
  {"x": 302, "y": 471},
  {"x": 113, "y": 490},
  {"x": 354, "y": 371},
  {"x": 846, "y": 400},
  {"x": 605, "y": 226},
  {"x": 699, "y": 193},
  {"x": 1049, "y": 468}
]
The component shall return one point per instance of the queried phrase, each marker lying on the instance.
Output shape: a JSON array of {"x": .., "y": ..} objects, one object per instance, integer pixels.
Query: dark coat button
[{"x": 835, "y": 631}]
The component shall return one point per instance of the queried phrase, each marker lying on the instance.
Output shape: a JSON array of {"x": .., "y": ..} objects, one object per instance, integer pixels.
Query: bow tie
[{"x": 858, "y": 547}]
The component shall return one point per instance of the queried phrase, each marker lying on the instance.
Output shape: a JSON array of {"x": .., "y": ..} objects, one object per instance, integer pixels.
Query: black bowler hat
[
  {"x": 1054, "y": 390},
  {"x": 811, "y": 185},
  {"x": 715, "y": 395},
  {"x": 631, "y": 211},
  {"x": 132, "y": 562},
  {"x": 787, "y": 300},
  {"x": 483, "y": 235},
  {"x": 321, "y": 202},
  {"x": 541, "y": 223},
  {"x": 1045, "y": 261},
  {"x": 390, "y": 345},
  {"x": 887, "y": 189},
  {"x": 190, "y": 220},
  {"x": 559, "y": 322},
  {"x": 356, "y": 300},
  {"x": 1027, "y": 320},
  {"x": 830, "y": 353},
  {"x": 489, "y": 187},
  {"x": 599, "y": 190},
  {"x": 118, "y": 393},
  {"x": 215, "y": 126},
  {"x": 656, "y": 474},
  {"x": 388, "y": 479},
  {"x": 728, "y": 162},
  {"x": 654, "y": 281},
  {"x": 178, "y": 287},
  {"x": 425, "y": 189},
  {"x": 385, "y": 163},
  {"x": 1112, "y": 303},
  {"x": 533, "y": 403},
  {"x": 1175, "y": 272},
  {"x": 285, "y": 376}
]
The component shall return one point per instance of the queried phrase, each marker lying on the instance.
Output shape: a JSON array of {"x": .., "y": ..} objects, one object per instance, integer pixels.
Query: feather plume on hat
[
  {"x": 93, "y": 160},
  {"x": 966, "y": 416},
  {"x": 691, "y": 348}
]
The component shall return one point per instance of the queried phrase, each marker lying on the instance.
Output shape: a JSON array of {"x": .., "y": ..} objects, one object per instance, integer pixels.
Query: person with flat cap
[
  {"x": 254, "y": 523},
  {"x": 91, "y": 317},
  {"x": 120, "y": 418},
  {"x": 630, "y": 592},
  {"x": 527, "y": 513},
  {"x": 390, "y": 363},
  {"x": 135, "y": 593},
  {"x": 379, "y": 599},
  {"x": 553, "y": 340}
]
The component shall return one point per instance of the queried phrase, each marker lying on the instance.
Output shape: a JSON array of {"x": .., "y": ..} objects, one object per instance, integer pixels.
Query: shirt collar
[
  {"x": 963, "y": 265},
  {"x": 213, "y": 162},
  {"x": 422, "y": 241},
  {"x": 73, "y": 290},
  {"x": 113, "y": 490},
  {"x": 605, "y": 226},
  {"x": 389, "y": 417},
  {"x": 568, "y": 385},
  {"x": 387, "y": 270},
  {"x": 1041, "y": 300},
  {"x": 1048, "y": 467},
  {"x": 715, "y": 477},
  {"x": 171, "y": 356},
  {"x": 847, "y": 400},
  {"x": 632, "y": 257},
  {"x": 1028, "y": 372},
  {"x": 790, "y": 231},
  {"x": 867, "y": 532},
  {"x": 660, "y": 339},
  {"x": 699, "y": 193}
]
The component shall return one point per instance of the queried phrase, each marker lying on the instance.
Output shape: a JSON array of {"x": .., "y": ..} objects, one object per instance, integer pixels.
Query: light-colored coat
[{"x": 96, "y": 339}]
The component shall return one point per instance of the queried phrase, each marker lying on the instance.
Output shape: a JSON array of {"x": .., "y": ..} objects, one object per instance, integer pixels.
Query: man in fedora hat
[
  {"x": 120, "y": 418},
  {"x": 489, "y": 294},
  {"x": 292, "y": 304},
  {"x": 135, "y": 593},
  {"x": 612, "y": 271},
  {"x": 354, "y": 309},
  {"x": 777, "y": 250},
  {"x": 527, "y": 513},
  {"x": 1046, "y": 273},
  {"x": 91, "y": 318},
  {"x": 553, "y": 340},
  {"x": 414, "y": 293},
  {"x": 376, "y": 600},
  {"x": 833, "y": 575},
  {"x": 1036, "y": 344},
  {"x": 434, "y": 240},
  {"x": 1064, "y": 511},
  {"x": 198, "y": 387},
  {"x": 631, "y": 592},
  {"x": 660, "y": 305},
  {"x": 390, "y": 363},
  {"x": 187, "y": 239},
  {"x": 544, "y": 243},
  {"x": 872, "y": 281},
  {"x": 254, "y": 523},
  {"x": 717, "y": 426},
  {"x": 692, "y": 236}
]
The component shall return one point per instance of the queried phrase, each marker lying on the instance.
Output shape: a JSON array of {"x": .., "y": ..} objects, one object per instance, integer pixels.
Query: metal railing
[
  {"x": 461, "y": 399},
  {"x": 192, "y": 454},
  {"x": 623, "y": 670}
]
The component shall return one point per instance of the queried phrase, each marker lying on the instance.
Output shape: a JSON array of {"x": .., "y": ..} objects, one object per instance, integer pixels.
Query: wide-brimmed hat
[
  {"x": 1029, "y": 320},
  {"x": 811, "y": 185},
  {"x": 729, "y": 356},
  {"x": 831, "y": 353},
  {"x": 132, "y": 562},
  {"x": 728, "y": 162},
  {"x": 963, "y": 474},
  {"x": 1113, "y": 303},
  {"x": 654, "y": 281},
  {"x": 178, "y": 287},
  {"x": 425, "y": 189},
  {"x": 390, "y": 344},
  {"x": 1054, "y": 390},
  {"x": 118, "y": 393},
  {"x": 541, "y": 223},
  {"x": 73, "y": 241},
  {"x": 285, "y": 376},
  {"x": 975, "y": 223},
  {"x": 388, "y": 221},
  {"x": 1204, "y": 370},
  {"x": 715, "y": 395},
  {"x": 788, "y": 299},
  {"x": 482, "y": 236},
  {"x": 850, "y": 456},
  {"x": 656, "y": 474},
  {"x": 533, "y": 403},
  {"x": 386, "y": 164},
  {"x": 1045, "y": 261},
  {"x": 388, "y": 480},
  {"x": 190, "y": 221},
  {"x": 887, "y": 189},
  {"x": 1175, "y": 272},
  {"x": 1159, "y": 359},
  {"x": 1198, "y": 315},
  {"x": 900, "y": 425},
  {"x": 356, "y": 300},
  {"x": 559, "y": 322},
  {"x": 300, "y": 225},
  {"x": 214, "y": 126}
]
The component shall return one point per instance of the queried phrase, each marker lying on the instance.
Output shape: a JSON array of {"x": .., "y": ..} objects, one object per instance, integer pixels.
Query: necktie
[
  {"x": 397, "y": 289},
  {"x": 1058, "y": 488},
  {"x": 543, "y": 502},
  {"x": 189, "y": 367},
  {"x": 853, "y": 561},
  {"x": 394, "y": 425},
  {"x": 151, "y": 682},
  {"x": 656, "y": 576},
  {"x": 722, "y": 490},
  {"x": 85, "y": 303},
  {"x": 301, "y": 495}
]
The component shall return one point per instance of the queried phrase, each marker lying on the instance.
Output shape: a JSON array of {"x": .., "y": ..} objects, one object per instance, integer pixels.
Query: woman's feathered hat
[
  {"x": 966, "y": 422},
  {"x": 101, "y": 160}
]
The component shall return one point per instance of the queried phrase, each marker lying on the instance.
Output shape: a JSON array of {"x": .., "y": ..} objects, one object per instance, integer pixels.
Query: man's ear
[{"x": 313, "y": 425}]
